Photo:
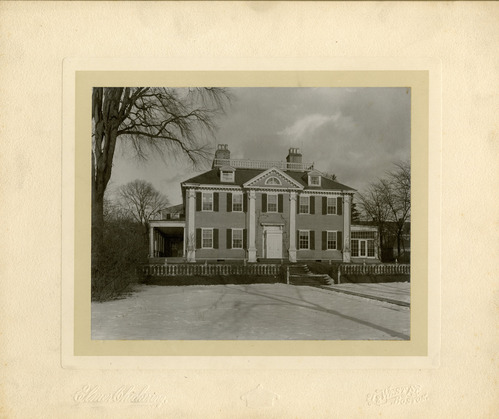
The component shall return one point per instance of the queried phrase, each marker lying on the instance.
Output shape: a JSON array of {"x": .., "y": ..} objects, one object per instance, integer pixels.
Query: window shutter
[
  {"x": 297, "y": 239},
  {"x": 229, "y": 202},
  {"x": 324, "y": 240},
  {"x": 245, "y": 202},
  {"x": 198, "y": 238},
  {"x": 215, "y": 238},
  {"x": 229, "y": 239},
  {"x": 324, "y": 205},
  {"x": 339, "y": 205},
  {"x": 297, "y": 204},
  {"x": 339, "y": 240},
  {"x": 198, "y": 201},
  {"x": 312, "y": 240},
  {"x": 245, "y": 239},
  {"x": 312, "y": 205},
  {"x": 280, "y": 203},
  {"x": 215, "y": 201},
  {"x": 264, "y": 202}
]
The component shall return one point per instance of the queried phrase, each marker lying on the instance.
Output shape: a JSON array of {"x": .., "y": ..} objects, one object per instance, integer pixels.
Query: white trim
[
  {"x": 242, "y": 202},
  {"x": 308, "y": 241},
  {"x": 202, "y": 239},
  {"x": 335, "y": 205},
  {"x": 232, "y": 238},
  {"x": 276, "y": 202},
  {"x": 159, "y": 223},
  {"x": 336, "y": 239},
  {"x": 273, "y": 184},
  {"x": 299, "y": 204},
  {"x": 212, "y": 201}
]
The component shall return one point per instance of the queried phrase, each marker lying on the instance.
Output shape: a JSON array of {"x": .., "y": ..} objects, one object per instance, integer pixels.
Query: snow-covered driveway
[{"x": 257, "y": 311}]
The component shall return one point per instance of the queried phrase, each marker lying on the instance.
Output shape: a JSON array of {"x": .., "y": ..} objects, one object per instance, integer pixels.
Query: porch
[{"x": 166, "y": 240}]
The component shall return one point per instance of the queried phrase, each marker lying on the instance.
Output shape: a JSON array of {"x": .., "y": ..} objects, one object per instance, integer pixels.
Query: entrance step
[{"x": 301, "y": 275}]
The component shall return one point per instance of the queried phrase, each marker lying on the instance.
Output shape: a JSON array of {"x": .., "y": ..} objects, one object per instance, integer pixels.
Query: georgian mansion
[{"x": 262, "y": 210}]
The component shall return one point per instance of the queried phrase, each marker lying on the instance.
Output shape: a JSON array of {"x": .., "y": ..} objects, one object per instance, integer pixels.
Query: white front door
[{"x": 273, "y": 242}]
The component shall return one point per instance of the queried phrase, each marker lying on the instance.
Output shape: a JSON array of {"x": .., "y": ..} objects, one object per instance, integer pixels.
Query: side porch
[{"x": 167, "y": 241}]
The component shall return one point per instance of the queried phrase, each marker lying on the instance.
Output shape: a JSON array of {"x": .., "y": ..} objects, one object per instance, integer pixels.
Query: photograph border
[{"x": 422, "y": 350}]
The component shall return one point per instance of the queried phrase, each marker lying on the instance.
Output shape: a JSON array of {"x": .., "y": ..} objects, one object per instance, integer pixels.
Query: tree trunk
[{"x": 97, "y": 233}]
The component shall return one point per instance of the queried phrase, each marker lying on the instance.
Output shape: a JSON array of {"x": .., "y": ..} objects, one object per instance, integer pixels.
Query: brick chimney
[
  {"x": 222, "y": 152},
  {"x": 294, "y": 156}
]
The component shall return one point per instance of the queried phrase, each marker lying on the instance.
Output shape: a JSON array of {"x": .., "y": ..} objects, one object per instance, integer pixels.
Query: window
[
  {"x": 207, "y": 238},
  {"x": 207, "y": 201},
  {"x": 331, "y": 205},
  {"x": 227, "y": 176},
  {"x": 272, "y": 203},
  {"x": 237, "y": 202},
  {"x": 331, "y": 240},
  {"x": 362, "y": 244},
  {"x": 303, "y": 239},
  {"x": 273, "y": 181},
  {"x": 237, "y": 238},
  {"x": 315, "y": 181},
  {"x": 304, "y": 204}
]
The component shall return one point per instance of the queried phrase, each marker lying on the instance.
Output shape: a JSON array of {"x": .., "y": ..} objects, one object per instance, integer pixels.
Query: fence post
[
  {"x": 287, "y": 275},
  {"x": 339, "y": 274}
]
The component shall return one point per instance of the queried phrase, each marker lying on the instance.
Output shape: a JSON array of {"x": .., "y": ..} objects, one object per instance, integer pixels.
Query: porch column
[
  {"x": 347, "y": 199},
  {"x": 292, "y": 226},
  {"x": 151, "y": 241},
  {"x": 191, "y": 227},
  {"x": 251, "y": 227}
]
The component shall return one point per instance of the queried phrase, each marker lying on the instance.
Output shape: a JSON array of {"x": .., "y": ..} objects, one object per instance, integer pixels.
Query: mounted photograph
[{"x": 251, "y": 213}]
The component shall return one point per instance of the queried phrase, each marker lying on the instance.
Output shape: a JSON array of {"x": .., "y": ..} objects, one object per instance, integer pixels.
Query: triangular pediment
[{"x": 273, "y": 178}]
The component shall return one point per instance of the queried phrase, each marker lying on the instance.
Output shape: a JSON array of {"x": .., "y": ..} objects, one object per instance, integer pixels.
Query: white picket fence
[{"x": 207, "y": 270}]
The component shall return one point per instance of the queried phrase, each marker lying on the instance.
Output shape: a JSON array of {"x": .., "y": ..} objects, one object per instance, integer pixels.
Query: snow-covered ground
[{"x": 257, "y": 311}]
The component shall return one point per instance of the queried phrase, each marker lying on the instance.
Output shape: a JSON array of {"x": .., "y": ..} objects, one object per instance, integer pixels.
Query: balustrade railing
[
  {"x": 262, "y": 164},
  {"x": 209, "y": 269}
]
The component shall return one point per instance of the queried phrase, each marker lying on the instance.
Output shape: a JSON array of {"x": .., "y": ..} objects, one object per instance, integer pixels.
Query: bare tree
[
  {"x": 165, "y": 121},
  {"x": 141, "y": 201},
  {"x": 387, "y": 202}
]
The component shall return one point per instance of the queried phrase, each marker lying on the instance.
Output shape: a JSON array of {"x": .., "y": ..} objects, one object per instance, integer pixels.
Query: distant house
[{"x": 262, "y": 210}]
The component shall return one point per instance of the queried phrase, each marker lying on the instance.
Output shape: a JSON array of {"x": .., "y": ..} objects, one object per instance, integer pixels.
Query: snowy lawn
[{"x": 256, "y": 311}]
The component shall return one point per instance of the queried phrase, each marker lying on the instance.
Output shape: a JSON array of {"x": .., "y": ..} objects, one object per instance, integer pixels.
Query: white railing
[
  {"x": 376, "y": 269},
  {"x": 262, "y": 164},
  {"x": 208, "y": 270}
]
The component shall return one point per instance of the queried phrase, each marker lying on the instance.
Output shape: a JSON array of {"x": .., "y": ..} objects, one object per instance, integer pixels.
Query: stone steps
[{"x": 301, "y": 275}]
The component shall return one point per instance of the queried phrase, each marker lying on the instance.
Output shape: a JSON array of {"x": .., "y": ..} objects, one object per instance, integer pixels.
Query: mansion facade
[{"x": 262, "y": 210}]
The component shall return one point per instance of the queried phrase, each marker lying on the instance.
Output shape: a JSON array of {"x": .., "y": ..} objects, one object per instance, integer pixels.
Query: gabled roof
[
  {"x": 242, "y": 176},
  {"x": 274, "y": 171}
]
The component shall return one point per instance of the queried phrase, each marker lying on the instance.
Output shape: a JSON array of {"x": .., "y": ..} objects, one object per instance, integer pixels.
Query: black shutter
[
  {"x": 264, "y": 202},
  {"x": 312, "y": 205},
  {"x": 229, "y": 238},
  {"x": 339, "y": 205},
  {"x": 339, "y": 240},
  {"x": 280, "y": 203},
  {"x": 215, "y": 201},
  {"x": 198, "y": 238},
  {"x": 245, "y": 202},
  {"x": 229, "y": 202},
  {"x": 324, "y": 240},
  {"x": 215, "y": 238},
  {"x": 297, "y": 239},
  {"x": 245, "y": 239},
  {"x": 312, "y": 240},
  {"x": 297, "y": 204},
  {"x": 198, "y": 201},
  {"x": 324, "y": 205}
]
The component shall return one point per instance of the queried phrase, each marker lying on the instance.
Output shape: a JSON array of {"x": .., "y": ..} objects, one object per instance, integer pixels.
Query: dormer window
[
  {"x": 227, "y": 174},
  {"x": 273, "y": 181},
  {"x": 314, "y": 178}
]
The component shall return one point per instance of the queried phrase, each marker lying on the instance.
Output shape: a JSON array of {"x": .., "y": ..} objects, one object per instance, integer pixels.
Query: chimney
[
  {"x": 222, "y": 152},
  {"x": 294, "y": 156}
]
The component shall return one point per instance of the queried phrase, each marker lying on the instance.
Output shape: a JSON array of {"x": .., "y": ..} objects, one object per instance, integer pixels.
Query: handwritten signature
[{"x": 124, "y": 394}]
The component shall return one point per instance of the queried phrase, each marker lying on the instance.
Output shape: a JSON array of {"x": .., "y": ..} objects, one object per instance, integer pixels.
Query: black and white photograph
[{"x": 251, "y": 213}]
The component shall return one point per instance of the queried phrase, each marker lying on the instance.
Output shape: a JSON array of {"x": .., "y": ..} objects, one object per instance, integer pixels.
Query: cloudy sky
[{"x": 356, "y": 133}]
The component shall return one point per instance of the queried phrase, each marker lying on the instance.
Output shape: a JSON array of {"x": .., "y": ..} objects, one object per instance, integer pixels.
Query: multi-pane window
[
  {"x": 303, "y": 239},
  {"x": 237, "y": 238},
  {"x": 331, "y": 240},
  {"x": 227, "y": 176},
  {"x": 237, "y": 202},
  {"x": 207, "y": 238},
  {"x": 271, "y": 203},
  {"x": 304, "y": 204},
  {"x": 315, "y": 181},
  {"x": 362, "y": 244},
  {"x": 207, "y": 201},
  {"x": 331, "y": 205}
]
